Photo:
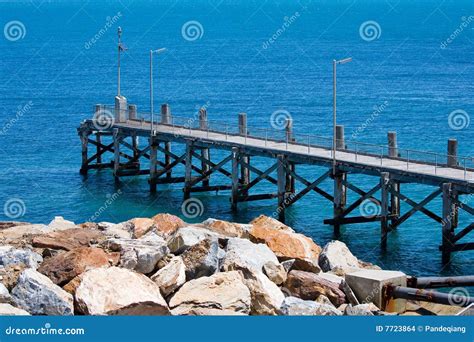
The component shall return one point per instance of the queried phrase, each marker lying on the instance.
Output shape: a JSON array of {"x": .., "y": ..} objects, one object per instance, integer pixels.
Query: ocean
[{"x": 412, "y": 67}]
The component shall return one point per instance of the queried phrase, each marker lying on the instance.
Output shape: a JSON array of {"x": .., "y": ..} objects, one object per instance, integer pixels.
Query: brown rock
[
  {"x": 89, "y": 225},
  {"x": 73, "y": 284},
  {"x": 288, "y": 245},
  {"x": 63, "y": 267},
  {"x": 229, "y": 229},
  {"x": 167, "y": 224},
  {"x": 68, "y": 239},
  {"x": 140, "y": 226},
  {"x": 10, "y": 274},
  {"x": 309, "y": 286},
  {"x": 269, "y": 222}
]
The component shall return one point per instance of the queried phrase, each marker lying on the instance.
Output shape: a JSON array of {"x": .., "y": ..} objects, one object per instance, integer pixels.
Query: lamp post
[
  {"x": 151, "y": 85},
  {"x": 121, "y": 48},
  {"x": 334, "y": 111}
]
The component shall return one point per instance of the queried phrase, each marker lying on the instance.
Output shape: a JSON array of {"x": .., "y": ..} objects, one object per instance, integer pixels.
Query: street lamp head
[
  {"x": 119, "y": 31},
  {"x": 157, "y": 51},
  {"x": 344, "y": 61}
]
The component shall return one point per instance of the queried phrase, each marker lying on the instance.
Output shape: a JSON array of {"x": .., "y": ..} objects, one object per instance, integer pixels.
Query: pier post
[
  {"x": 394, "y": 200},
  {"x": 447, "y": 223},
  {"x": 281, "y": 181},
  {"x": 340, "y": 191},
  {"x": 235, "y": 178},
  {"x": 452, "y": 153},
  {"x": 117, "y": 140},
  {"x": 204, "y": 125},
  {"x": 243, "y": 131},
  {"x": 384, "y": 209},
  {"x": 167, "y": 120},
  {"x": 132, "y": 112},
  {"x": 188, "y": 169},
  {"x": 153, "y": 163},
  {"x": 121, "y": 109},
  {"x": 84, "y": 135},
  {"x": 290, "y": 182}
]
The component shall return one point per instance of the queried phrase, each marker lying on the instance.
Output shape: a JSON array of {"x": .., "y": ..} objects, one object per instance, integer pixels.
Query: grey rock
[
  {"x": 275, "y": 272},
  {"x": 242, "y": 253},
  {"x": 38, "y": 295},
  {"x": 293, "y": 306},
  {"x": 113, "y": 230},
  {"x": 201, "y": 260},
  {"x": 9, "y": 255},
  {"x": 189, "y": 236},
  {"x": 358, "y": 310},
  {"x": 288, "y": 264},
  {"x": 5, "y": 296},
  {"x": 336, "y": 254},
  {"x": 170, "y": 277},
  {"x": 10, "y": 310}
]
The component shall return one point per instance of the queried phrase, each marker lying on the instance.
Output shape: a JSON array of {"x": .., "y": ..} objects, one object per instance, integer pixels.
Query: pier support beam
[
  {"x": 290, "y": 186},
  {"x": 340, "y": 191},
  {"x": 447, "y": 223},
  {"x": 281, "y": 179},
  {"x": 203, "y": 125},
  {"x": 244, "y": 171},
  {"x": 235, "y": 178},
  {"x": 166, "y": 119},
  {"x": 153, "y": 163},
  {"x": 84, "y": 135},
  {"x": 118, "y": 137},
  {"x": 188, "y": 169},
  {"x": 394, "y": 199},
  {"x": 384, "y": 209}
]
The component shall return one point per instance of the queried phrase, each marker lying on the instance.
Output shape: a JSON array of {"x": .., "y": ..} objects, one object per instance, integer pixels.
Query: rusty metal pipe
[
  {"x": 437, "y": 282},
  {"x": 428, "y": 296}
]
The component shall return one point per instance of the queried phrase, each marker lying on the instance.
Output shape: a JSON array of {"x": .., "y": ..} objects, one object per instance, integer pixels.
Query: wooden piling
[
  {"x": 447, "y": 223},
  {"x": 235, "y": 178},
  {"x": 132, "y": 112},
  {"x": 281, "y": 179},
  {"x": 452, "y": 153},
  {"x": 290, "y": 181},
  {"x": 84, "y": 135},
  {"x": 243, "y": 131},
  {"x": 340, "y": 191},
  {"x": 394, "y": 200},
  {"x": 117, "y": 139},
  {"x": 167, "y": 120},
  {"x": 204, "y": 125},
  {"x": 384, "y": 208},
  {"x": 188, "y": 169},
  {"x": 153, "y": 163}
]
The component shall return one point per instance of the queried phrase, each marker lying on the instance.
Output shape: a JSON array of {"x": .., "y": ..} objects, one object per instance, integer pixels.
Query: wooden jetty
[{"x": 450, "y": 176}]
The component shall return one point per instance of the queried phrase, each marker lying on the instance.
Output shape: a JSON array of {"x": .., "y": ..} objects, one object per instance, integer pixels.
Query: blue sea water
[{"x": 250, "y": 56}]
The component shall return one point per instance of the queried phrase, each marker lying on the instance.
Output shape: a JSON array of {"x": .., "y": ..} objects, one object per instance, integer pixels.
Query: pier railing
[{"x": 279, "y": 136}]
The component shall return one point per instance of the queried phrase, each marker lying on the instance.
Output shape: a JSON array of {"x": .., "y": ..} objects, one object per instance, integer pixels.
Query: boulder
[
  {"x": 242, "y": 253},
  {"x": 4, "y": 294},
  {"x": 229, "y": 229},
  {"x": 140, "y": 226},
  {"x": 171, "y": 277},
  {"x": 225, "y": 292},
  {"x": 167, "y": 224},
  {"x": 288, "y": 264},
  {"x": 309, "y": 286},
  {"x": 68, "y": 239},
  {"x": 275, "y": 272},
  {"x": 336, "y": 254},
  {"x": 10, "y": 224},
  {"x": 269, "y": 222},
  {"x": 266, "y": 296},
  {"x": 21, "y": 236},
  {"x": 59, "y": 223},
  {"x": 288, "y": 245},
  {"x": 202, "y": 259},
  {"x": 197, "y": 311},
  {"x": 63, "y": 267},
  {"x": 9, "y": 255},
  {"x": 141, "y": 254},
  {"x": 113, "y": 230},
  {"x": 9, "y": 275},
  {"x": 118, "y": 291},
  {"x": 293, "y": 306},
  {"x": 38, "y": 295},
  {"x": 322, "y": 299},
  {"x": 360, "y": 310},
  {"x": 187, "y": 237},
  {"x": 73, "y": 284},
  {"x": 10, "y": 310}
]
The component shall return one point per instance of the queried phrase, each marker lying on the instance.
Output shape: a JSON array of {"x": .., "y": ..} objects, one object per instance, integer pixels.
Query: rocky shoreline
[{"x": 165, "y": 266}]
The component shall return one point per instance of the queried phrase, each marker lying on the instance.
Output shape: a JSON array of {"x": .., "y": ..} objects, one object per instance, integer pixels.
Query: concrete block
[
  {"x": 132, "y": 112},
  {"x": 368, "y": 286},
  {"x": 121, "y": 109}
]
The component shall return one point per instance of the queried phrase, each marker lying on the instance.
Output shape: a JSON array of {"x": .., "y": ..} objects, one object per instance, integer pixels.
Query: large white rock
[
  {"x": 336, "y": 254},
  {"x": 170, "y": 277},
  {"x": 189, "y": 236},
  {"x": 113, "y": 230},
  {"x": 4, "y": 294},
  {"x": 118, "y": 291},
  {"x": 10, "y": 310},
  {"x": 38, "y": 295},
  {"x": 59, "y": 223},
  {"x": 9, "y": 255},
  {"x": 266, "y": 295},
  {"x": 141, "y": 254},
  {"x": 293, "y": 306},
  {"x": 242, "y": 253},
  {"x": 222, "y": 291}
]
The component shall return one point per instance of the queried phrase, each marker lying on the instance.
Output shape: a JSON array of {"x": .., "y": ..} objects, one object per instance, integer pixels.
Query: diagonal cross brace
[{"x": 417, "y": 207}]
